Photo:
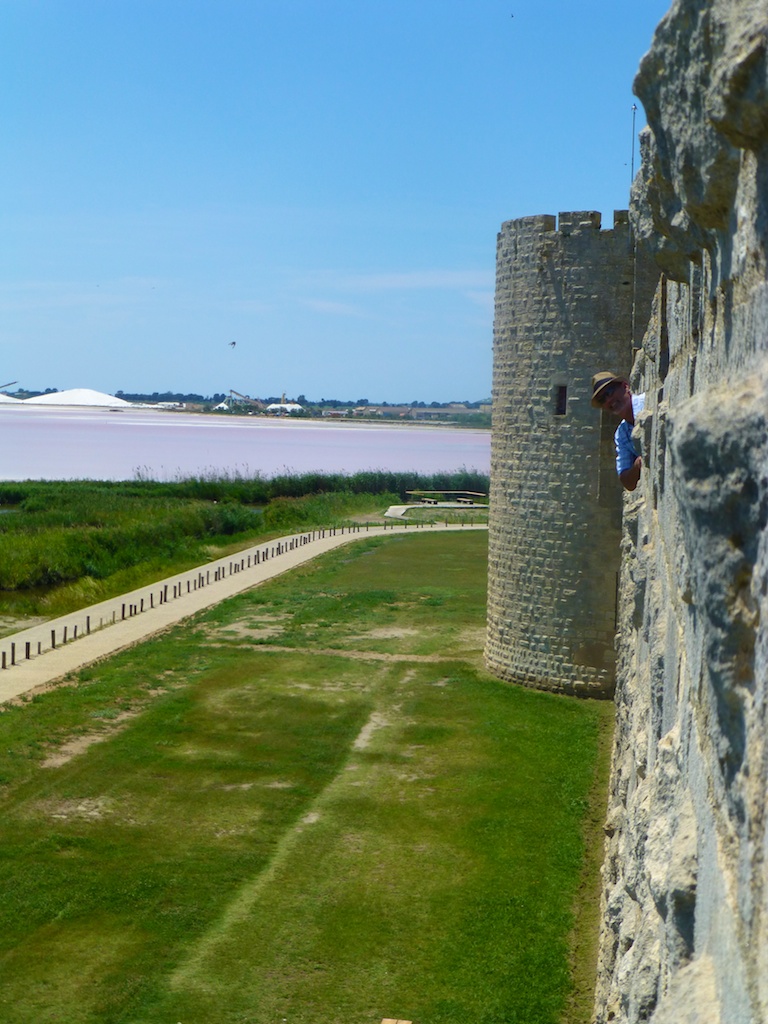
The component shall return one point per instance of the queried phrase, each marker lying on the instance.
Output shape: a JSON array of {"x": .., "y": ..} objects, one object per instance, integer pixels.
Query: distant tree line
[
  {"x": 310, "y": 403},
  {"x": 23, "y": 393},
  {"x": 171, "y": 396},
  {"x": 335, "y": 403}
]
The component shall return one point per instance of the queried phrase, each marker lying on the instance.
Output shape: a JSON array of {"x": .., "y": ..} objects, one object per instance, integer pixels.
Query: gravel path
[{"x": 37, "y": 656}]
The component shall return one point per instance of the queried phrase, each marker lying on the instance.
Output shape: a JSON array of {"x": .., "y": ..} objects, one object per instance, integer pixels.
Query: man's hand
[{"x": 630, "y": 477}]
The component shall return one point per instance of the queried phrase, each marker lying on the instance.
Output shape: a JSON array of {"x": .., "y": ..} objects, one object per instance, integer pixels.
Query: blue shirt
[{"x": 625, "y": 450}]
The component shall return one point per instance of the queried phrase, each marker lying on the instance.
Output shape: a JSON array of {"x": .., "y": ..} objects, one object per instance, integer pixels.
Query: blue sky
[{"x": 319, "y": 181}]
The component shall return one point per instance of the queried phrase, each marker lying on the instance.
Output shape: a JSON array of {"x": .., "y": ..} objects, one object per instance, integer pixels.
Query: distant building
[{"x": 284, "y": 408}]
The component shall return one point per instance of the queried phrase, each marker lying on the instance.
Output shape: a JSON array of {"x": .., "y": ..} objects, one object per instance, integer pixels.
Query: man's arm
[{"x": 630, "y": 477}]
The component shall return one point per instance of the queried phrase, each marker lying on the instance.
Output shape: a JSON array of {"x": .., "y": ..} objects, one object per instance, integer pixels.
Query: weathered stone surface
[
  {"x": 692, "y": 998},
  {"x": 685, "y": 932},
  {"x": 564, "y": 310},
  {"x": 703, "y": 85}
]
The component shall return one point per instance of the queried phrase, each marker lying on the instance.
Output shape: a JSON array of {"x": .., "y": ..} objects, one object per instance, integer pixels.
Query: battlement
[
  {"x": 579, "y": 220},
  {"x": 567, "y": 222}
]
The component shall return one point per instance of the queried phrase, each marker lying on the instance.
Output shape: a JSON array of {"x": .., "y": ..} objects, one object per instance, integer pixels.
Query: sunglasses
[{"x": 610, "y": 390}]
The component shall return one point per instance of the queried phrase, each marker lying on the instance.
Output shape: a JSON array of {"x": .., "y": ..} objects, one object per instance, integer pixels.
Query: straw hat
[{"x": 600, "y": 382}]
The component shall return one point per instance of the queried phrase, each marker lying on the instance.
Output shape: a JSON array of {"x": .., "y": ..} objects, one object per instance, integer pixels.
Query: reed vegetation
[
  {"x": 64, "y": 544},
  {"x": 257, "y": 489}
]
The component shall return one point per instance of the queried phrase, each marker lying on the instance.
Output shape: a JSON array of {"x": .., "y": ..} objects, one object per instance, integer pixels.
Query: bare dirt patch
[
  {"x": 228, "y": 833},
  {"x": 341, "y": 652},
  {"x": 79, "y": 744},
  {"x": 91, "y": 808},
  {"x": 376, "y": 721},
  {"x": 255, "y": 629},
  {"x": 474, "y": 638},
  {"x": 386, "y": 633}
]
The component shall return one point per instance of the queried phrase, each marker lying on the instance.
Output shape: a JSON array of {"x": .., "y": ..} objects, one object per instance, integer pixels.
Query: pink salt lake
[{"x": 49, "y": 443}]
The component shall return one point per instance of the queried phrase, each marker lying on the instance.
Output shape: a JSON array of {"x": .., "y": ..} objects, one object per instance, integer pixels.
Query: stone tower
[{"x": 571, "y": 299}]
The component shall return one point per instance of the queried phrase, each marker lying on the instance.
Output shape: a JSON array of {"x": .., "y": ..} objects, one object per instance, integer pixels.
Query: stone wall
[
  {"x": 566, "y": 298},
  {"x": 685, "y": 933}
]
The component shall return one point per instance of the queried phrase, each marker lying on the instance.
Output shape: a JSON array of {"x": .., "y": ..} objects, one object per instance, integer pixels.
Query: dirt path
[{"x": 37, "y": 656}]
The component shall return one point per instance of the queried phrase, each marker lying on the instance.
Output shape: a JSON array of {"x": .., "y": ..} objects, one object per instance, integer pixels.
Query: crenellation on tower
[
  {"x": 579, "y": 220},
  {"x": 537, "y": 223}
]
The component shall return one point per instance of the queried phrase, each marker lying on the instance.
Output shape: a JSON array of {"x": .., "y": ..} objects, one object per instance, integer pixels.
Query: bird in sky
[{"x": 232, "y": 344}]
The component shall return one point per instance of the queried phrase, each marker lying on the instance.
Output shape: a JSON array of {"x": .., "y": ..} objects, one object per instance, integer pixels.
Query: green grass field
[{"x": 309, "y": 804}]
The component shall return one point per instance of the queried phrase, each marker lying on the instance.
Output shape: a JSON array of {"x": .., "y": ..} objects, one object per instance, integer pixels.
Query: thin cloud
[
  {"x": 333, "y": 308},
  {"x": 38, "y": 295},
  {"x": 414, "y": 280},
  {"x": 481, "y": 298},
  {"x": 246, "y": 306}
]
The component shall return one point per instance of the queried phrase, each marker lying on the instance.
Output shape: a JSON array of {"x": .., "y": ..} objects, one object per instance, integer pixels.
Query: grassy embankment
[
  {"x": 66, "y": 545},
  {"x": 309, "y": 804}
]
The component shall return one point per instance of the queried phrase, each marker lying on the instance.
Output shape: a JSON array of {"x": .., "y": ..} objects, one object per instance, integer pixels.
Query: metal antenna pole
[{"x": 633, "y": 244}]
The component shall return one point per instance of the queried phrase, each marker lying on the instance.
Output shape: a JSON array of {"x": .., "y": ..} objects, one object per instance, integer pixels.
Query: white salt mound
[{"x": 77, "y": 396}]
